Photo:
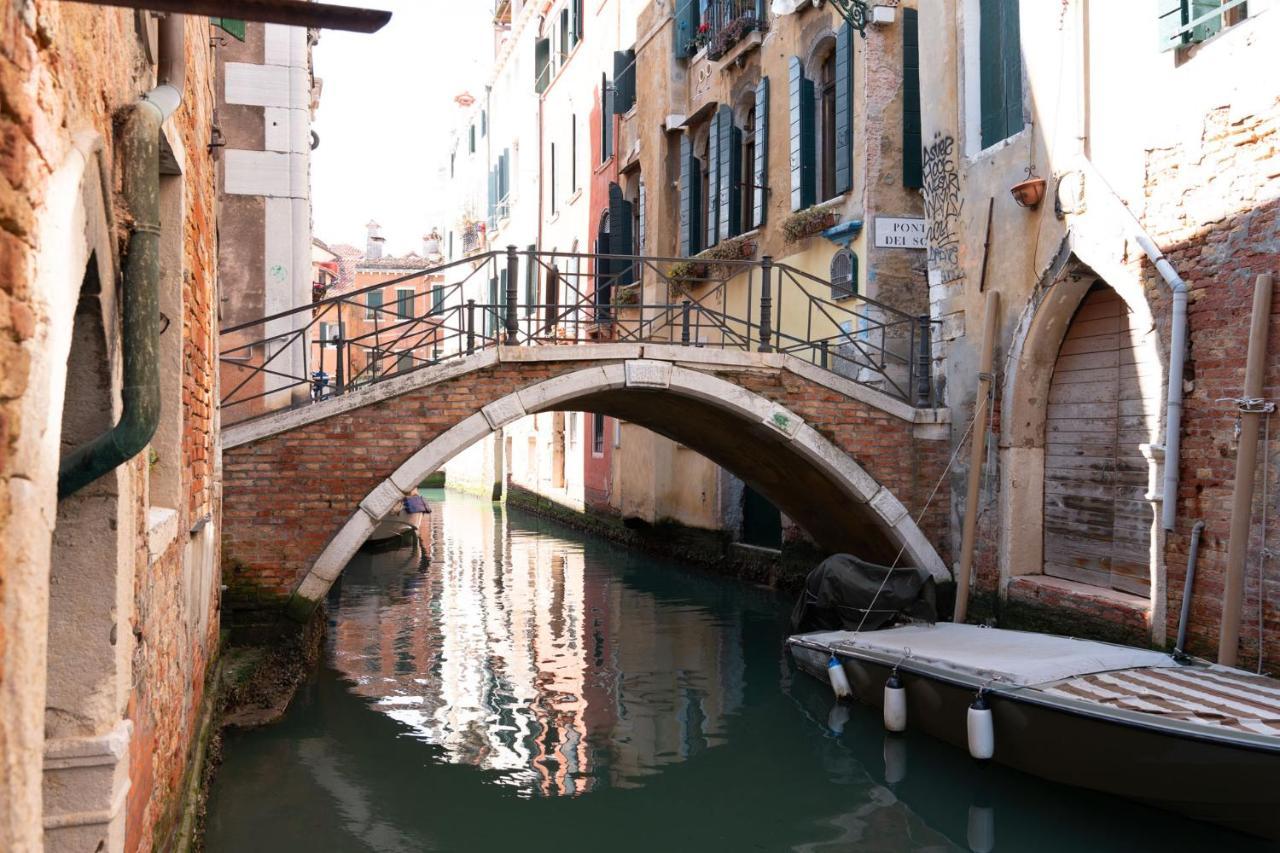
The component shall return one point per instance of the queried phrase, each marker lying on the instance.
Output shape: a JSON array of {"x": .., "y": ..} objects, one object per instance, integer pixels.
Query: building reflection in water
[{"x": 517, "y": 652}]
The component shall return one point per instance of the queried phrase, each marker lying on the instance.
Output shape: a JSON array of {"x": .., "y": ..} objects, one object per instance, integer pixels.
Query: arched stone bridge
[{"x": 853, "y": 467}]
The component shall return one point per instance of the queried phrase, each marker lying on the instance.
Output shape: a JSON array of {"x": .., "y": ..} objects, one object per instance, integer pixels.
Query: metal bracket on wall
[{"x": 855, "y": 12}]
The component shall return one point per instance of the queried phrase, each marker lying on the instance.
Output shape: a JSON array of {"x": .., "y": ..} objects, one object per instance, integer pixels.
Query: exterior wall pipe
[
  {"x": 1180, "y": 647},
  {"x": 1246, "y": 471},
  {"x": 140, "y": 394},
  {"x": 1177, "y": 348}
]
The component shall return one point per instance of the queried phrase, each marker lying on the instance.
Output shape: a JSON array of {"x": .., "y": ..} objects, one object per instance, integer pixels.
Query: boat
[
  {"x": 404, "y": 521},
  {"x": 1181, "y": 734}
]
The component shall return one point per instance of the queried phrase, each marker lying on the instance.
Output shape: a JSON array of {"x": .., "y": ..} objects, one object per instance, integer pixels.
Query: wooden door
[{"x": 1103, "y": 405}]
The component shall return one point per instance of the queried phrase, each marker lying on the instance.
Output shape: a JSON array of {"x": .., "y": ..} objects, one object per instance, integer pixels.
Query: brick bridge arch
[{"x": 304, "y": 488}]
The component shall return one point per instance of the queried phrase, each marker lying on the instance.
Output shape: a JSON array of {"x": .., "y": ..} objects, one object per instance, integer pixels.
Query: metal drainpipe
[
  {"x": 1177, "y": 349},
  {"x": 140, "y": 394}
]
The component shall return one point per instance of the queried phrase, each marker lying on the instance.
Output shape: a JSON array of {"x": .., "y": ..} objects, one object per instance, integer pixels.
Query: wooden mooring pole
[
  {"x": 977, "y": 455},
  {"x": 1246, "y": 469}
]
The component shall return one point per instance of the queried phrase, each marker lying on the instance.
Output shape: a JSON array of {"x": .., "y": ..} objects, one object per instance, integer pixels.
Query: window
[
  {"x": 484, "y": 122},
  {"x": 800, "y": 90},
  {"x": 564, "y": 34},
  {"x": 471, "y": 139},
  {"x": 606, "y": 118},
  {"x": 404, "y": 362},
  {"x": 725, "y": 152},
  {"x": 746, "y": 170},
  {"x": 573, "y": 153},
  {"x": 453, "y": 158},
  {"x": 404, "y": 302},
  {"x": 541, "y": 65},
  {"x": 624, "y": 80},
  {"x": 912, "y": 136},
  {"x": 373, "y": 304},
  {"x": 1000, "y": 70},
  {"x": 691, "y": 183},
  {"x": 844, "y": 274},
  {"x": 1184, "y": 22},
  {"x": 575, "y": 22},
  {"x": 759, "y": 162},
  {"x": 437, "y": 292},
  {"x": 553, "y": 179},
  {"x": 825, "y": 122},
  {"x": 597, "y": 435}
]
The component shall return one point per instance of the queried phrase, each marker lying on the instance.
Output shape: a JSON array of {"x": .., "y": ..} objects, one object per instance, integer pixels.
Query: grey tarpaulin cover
[{"x": 840, "y": 590}]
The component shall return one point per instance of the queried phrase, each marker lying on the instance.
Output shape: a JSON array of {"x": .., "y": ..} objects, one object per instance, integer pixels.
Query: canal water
[{"x": 512, "y": 684}]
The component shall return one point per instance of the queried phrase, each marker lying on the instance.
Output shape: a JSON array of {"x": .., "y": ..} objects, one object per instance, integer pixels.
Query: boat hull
[{"x": 1203, "y": 779}]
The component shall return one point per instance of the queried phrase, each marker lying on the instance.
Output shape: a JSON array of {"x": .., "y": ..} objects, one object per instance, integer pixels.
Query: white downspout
[{"x": 1177, "y": 348}]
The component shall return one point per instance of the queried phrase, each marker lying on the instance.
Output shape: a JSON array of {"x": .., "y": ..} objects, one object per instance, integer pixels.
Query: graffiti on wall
[{"x": 942, "y": 204}]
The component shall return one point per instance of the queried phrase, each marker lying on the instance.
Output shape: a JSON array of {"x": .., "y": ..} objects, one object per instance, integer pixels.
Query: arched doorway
[{"x": 1101, "y": 419}]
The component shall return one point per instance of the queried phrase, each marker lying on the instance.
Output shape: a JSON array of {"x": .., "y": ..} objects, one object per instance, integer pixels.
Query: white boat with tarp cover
[{"x": 1190, "y": 736}]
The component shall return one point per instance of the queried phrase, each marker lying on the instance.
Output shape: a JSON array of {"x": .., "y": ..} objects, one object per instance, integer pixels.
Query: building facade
[
  {"x": 1131, "y": 136},
  {"x": 108, "y": 571}
]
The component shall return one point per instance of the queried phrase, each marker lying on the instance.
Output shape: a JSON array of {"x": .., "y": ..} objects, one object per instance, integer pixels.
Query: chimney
[
  {"x": 431, "y": 244},
  {"x": 373, "y": 244}
]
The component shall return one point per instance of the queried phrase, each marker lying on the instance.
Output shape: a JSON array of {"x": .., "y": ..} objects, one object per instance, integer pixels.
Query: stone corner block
[
  {"x": 501, "y": 412},
  {"x": 888, "y": 507},
  {"x": 381, "y": 500},
  {"x": 648, "y": 374},
  {"x": 786, "y": 422}
]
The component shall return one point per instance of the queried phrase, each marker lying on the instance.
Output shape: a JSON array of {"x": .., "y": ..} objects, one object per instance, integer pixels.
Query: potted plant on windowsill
[
  {"x": 807, "y": 222},
  {"x": 730, "y": 34}
]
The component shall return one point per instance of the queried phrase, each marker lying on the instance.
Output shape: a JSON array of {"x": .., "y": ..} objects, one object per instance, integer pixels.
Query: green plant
[
  {"x": 627, "y": 295},
  {"x": 811, "y": 220}
]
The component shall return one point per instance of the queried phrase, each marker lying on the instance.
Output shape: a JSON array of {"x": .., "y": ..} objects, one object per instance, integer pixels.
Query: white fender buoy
[
  {"x": 839, "y": 681},
  {"x": 895, "y": 704},
  {"x": 981, "y": 829},
  {"x": 982, "y": 733},
  {"x": 837, "y": 717},
  {"x": 895, "y": 760}
]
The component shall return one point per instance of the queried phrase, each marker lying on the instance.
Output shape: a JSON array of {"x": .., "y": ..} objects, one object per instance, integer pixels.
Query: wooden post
[
  {"x": 977, "y": 454},
  {"x": 1246, "y": 469}
]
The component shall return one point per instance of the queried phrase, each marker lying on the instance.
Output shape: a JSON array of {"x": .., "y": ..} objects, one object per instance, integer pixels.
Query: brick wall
[
  {"x": 58, "y": 83},
  {"x": 289, "y": 493}
]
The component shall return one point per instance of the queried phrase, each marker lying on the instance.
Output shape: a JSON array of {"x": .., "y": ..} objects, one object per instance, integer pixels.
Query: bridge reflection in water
[
  {"x": 512, "y": 655},
  {"x": 518, "y": 686}
]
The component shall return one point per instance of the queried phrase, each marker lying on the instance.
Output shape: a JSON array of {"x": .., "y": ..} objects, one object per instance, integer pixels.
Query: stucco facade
[{"x": 1135, "y": 140}]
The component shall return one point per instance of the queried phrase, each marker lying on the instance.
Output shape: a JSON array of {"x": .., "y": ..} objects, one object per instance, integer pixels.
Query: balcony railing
[
  {"x": 1194, "y": 21},
  {"x": 720, "y": 24}
]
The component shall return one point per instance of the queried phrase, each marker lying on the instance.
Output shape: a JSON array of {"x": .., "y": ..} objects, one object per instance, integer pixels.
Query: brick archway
[{"x": 847, "y": 464}]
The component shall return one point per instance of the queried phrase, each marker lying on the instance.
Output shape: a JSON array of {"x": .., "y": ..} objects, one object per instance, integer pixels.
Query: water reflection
[{"x": 501, "y": 646}]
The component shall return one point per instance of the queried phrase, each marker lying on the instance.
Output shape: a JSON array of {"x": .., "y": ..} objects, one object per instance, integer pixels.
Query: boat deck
[{"x": 1113, "y": 680}]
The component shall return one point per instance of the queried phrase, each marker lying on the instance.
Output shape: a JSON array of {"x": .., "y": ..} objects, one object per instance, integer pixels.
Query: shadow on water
[{"x": 517, "y": 685}]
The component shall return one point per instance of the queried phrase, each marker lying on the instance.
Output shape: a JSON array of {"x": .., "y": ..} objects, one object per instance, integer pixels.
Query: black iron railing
[{"x": 523, "y": 298}]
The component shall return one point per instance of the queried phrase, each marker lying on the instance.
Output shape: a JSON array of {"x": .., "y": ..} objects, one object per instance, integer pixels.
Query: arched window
[
  {"x": 844, "y": 274},
  {"x": 746, "y": 178}
]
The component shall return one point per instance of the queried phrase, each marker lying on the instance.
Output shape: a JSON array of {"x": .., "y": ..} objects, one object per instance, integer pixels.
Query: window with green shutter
[
  {"x": 624, "y": 81},
  {"x": 802, "y": 136},
  {"x": 372, "y": 304},
  {"x": 606, "y": 118},
  {"x": 912, "y": 136},
  {"x": 575, "y": 22},
  {"x": 760, "y": 169},
  {"x": 620, "y": 236},
  {"x": 404, "y": 302},
  {"x": 687, "y": 17},
  {"x": 729, "y": 161},
  {"x": 1000, "y": 70},
  {"x": 843, "y": 118},
  {"x": 1183, "y": 22},
  {"x": 233, "y": 27},
  {"x": 711, "y": 215},
  {"x": 690, "y": 198},
  {"x": 541, "y": 65},
  {"x": 437, "y": 292}
]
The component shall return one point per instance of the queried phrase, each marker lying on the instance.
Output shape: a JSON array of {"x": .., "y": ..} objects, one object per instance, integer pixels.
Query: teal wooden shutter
[
  {"x": 760, "y": 169},
  {"x": 690, "y": 201},
  {"x": 1011, "y": 52},
  {"x": 404, "y": 303},
  {"x": 712, "y": 200},
  {"x": 1000, "y": 71},
  {"x": 686, "y": 25},
  {"x": 729, "y": 215},
  {"x": 373, "y": 304},
  {"x": 233, "y": 27},
  {"x": 912, "y": 136},
  {"x": 802, "y": 137},
  {"x": 844, "y": 109},
  {"x": 437, "y": 292},
  {"x": 606, "y": 118},
  {"x": 575, "y": 21},
  {"x": 624, "y": 80},
  {"x": 620, "y": 236}
]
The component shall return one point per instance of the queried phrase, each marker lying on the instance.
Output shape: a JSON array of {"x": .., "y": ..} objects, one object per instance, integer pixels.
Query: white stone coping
[
  {"x": 162, "y": 529},
  {"x": 698, "y": 357}
]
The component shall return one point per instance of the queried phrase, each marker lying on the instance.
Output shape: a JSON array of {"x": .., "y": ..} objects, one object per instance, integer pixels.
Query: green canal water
[{"x": 516, "y": 685}]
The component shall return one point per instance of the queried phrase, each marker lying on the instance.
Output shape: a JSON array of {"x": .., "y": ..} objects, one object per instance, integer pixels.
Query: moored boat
[
  {"x": 403, "y": 521},
  {"x": 1196, "y": 738}
]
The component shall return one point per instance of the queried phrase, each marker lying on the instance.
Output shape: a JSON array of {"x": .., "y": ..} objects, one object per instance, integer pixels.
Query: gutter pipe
[
  {"x": 1177, "y": 350},
  {"x": 140, "y": 392},
  {"x": 1180, "y": 647}
]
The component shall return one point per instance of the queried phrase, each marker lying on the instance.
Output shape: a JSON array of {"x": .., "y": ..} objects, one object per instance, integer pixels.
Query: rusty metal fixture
[
  {"x": 298, "y": 13},
  {"x": 1029, "y": 193}
]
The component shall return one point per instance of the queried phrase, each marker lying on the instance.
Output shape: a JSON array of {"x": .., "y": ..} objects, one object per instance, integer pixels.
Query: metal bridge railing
[{"x": 532, "y": 298}]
